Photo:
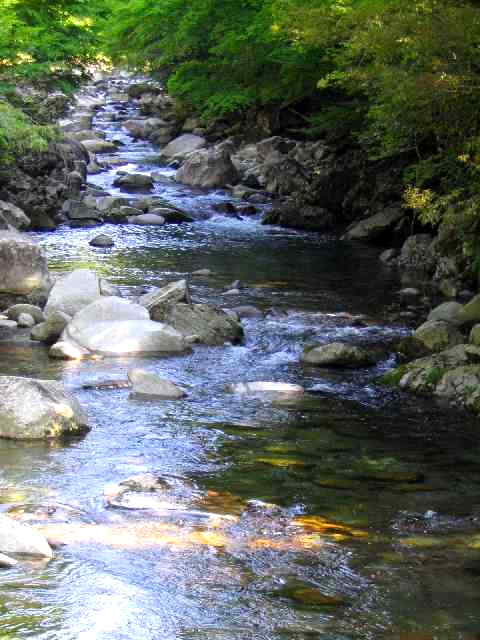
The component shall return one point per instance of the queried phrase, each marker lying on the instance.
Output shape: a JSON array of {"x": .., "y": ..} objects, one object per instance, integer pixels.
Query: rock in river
[
  {"x": 16, "y": 537},
  {"x": 24, "y": 275},
  {"x": 146, "y": 383},
  {"x": 33, "y": 409},
  {"x": 113, "y": 326},
  {"x": 73, "y": 292},
  {"x": 266, "y": 387},
  {"x": 337, "y": 354}
]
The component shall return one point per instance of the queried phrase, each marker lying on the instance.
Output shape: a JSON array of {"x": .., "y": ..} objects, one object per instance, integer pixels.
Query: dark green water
[{"x": 391, "y": 481}]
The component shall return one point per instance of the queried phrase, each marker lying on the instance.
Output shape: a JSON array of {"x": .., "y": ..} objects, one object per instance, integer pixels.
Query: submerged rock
[
  {"x": 33, "y": 409},
  {"x": 147, "y": 219},
  {"x": 146, "y": 383},
  {"x": 266, "y": 387},
  {"x": 337, "y": 354},
  {"x": 19, "y": 538},
  {"x": 102, "y": 241},
  {"x": 134, "y": 181}
]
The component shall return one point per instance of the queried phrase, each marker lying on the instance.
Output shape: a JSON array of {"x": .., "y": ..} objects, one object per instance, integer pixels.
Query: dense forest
[{"x": 396, "y": 77}]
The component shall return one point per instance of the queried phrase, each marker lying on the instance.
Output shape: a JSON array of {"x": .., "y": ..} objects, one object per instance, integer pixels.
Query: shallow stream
[{"x": 351, "y": 513}]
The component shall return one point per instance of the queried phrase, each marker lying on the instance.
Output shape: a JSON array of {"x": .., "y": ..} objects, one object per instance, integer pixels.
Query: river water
[{"x": 351, "y": 513}]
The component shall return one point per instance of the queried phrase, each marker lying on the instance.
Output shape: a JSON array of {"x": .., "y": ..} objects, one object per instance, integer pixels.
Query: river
[{"x": 351, "y": 513}]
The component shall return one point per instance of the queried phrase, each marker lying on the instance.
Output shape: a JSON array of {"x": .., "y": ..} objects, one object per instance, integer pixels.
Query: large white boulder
[
  {"x": 16, "y": 537},
  {"x": 33, "y": 409},
  {"x": 73, "y": 292},
  {"x": 113, "y": 326}
]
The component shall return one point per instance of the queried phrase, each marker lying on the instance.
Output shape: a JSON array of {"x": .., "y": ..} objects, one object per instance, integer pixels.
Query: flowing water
[{"x": 350, "y": 513}]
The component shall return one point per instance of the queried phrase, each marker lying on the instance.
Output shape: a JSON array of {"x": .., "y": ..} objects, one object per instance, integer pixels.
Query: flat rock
[
  {"x": 147, "y": 219},
  {"x": 146, "y": 383},
  {"x": 99, "y": 146},
  {"x": 183, "y": 145},
  {"x": 156, "y": 300}
]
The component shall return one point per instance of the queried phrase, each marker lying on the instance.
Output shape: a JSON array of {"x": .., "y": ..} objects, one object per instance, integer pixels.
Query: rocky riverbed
[{"x": 193, "y": 424}]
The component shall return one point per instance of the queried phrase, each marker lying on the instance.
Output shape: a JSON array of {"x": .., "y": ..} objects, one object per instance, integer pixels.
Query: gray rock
[
  {"x": 103, "y": 241},
  {"x": 99, "y": 146},
  {"x": 389, "y": 256},
  {"x": 50, "y": 330},
  {"x": 208, "y": 169},
  {"x": 182, "y": 146},
  {"x": 158, "y": 299},
  {"x": 25, "y": 321},
  {"x": 337, "y": 354},
  {"x": 19, "y": 538},
  {"x": 418, "y": 253},
  {"x": 146, "y": 383},
  {"x": 16, "y": 311},
  {"x": 73, "y": 292},
  {"x": 109, "y": 289},
  {"x": 24, "y": 275},
  {"x": 6, "y": 562},
  {"x": 202, "y": 272},
  {"x": 375, "y": 226},
  {"x": 147, "y": 219},
  {"x": 7, "y": 328},
  {"x": 80, "y": 211},
  {"x": 211, "y": 325},
  {"x": 38, "y": 409},
  {"x": 67, "y": 350},
  {"x": 438, "y": 335},
  {"x": 266, "y": 387},
  {"x": 113, "y": 326},
  {"x": 12, "y": 216},
  {"x": 248, "y": 311},
  {"x": 172, "y": 215},
  {"x": 134, "y": 181},
  {"x": 110, "y": 202},
  {"x": 469, "y": 314},
  {"x": 474, "y": 337},
  {"x": 447, "y": 311}
]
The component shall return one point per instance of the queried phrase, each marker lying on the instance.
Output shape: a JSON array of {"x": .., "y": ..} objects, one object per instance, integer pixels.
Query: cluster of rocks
[{"x": 442, "y": 357}]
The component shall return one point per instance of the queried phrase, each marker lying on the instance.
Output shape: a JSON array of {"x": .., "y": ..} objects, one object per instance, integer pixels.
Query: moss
[
  {"x": 434, "y": 375},
  {"x": 392, "y": 378}
]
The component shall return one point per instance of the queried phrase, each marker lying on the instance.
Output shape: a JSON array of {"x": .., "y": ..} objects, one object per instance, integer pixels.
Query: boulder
[
  {"x": 375, "y": 227},
  {"x": 133, "y": 181},
  {"x": 99, "y": 146},
  {"x": 447, "y": 312},
  {"x": 266, "y": 387},
  {"x": 469, "y": 314},
  {"x": 461, "y": 386},
  {"x": 7, "y": 328},
  {"x": 182, "y": 146},
  {"x": 418, "y": 253},
  {"x": 389, "y": 256},
  {"x": 110, "y": 202},
  {"x": 156, "y": 301},
  {"x": 146, "y": 383},
  {"x": 73, "y": 291},
  {"x": 65, "y": 350},
  {"x": 79, "y": 211},
  {"x": 102, "y": 240},
  {"x": 12, "y": 216},
  {"x": 208, "y": 169},
  {"x": 113, "y": 326},
  {"x": 24, "y": 275},
  {"x": 337, "y": 354},
  {"x": 211, "y": 325},
  {"x": 50, "y": 330},
  {"x": 147, "y": 219},
  {"x": 19, "y": 538},
  {"x": 136, "y": 128},
  {"x": 438, "y": 335},
  {"x": 474, "y": 337},
  {"x": 38, "y": 409},
  {"x": 16, "y": 311},
  {"x": 172, "y": 215},
  {"x": 26, "y": 321}
]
